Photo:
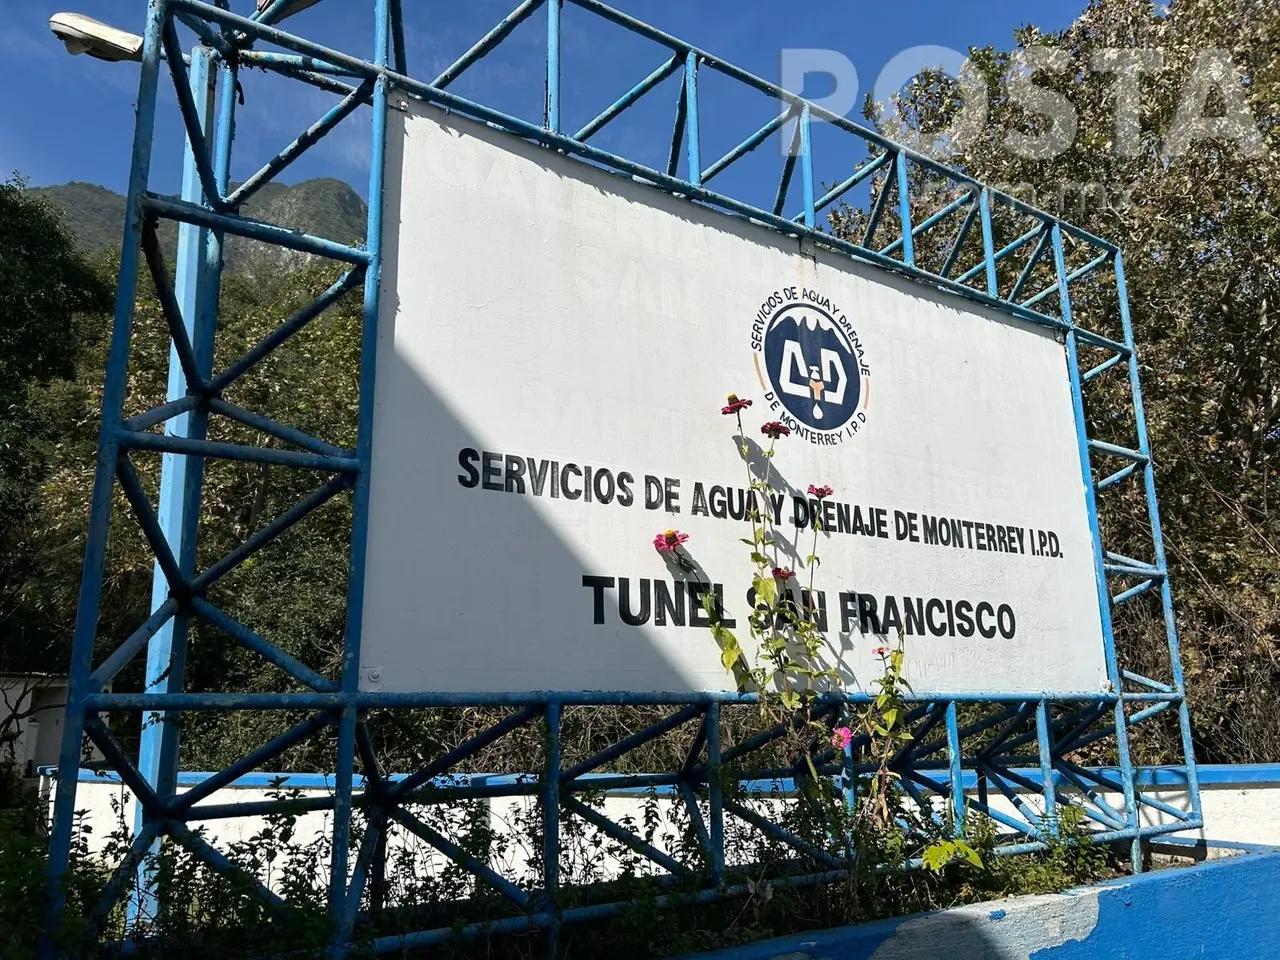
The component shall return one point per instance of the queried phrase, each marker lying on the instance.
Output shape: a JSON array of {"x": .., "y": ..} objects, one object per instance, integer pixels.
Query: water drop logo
[{"x": 811, "y": 364}]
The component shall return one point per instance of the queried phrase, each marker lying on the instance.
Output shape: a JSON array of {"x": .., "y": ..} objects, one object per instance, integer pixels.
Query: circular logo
[{"x": 811, "y": 364}]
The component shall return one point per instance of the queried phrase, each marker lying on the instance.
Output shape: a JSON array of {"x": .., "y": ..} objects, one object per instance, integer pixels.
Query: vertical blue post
[
  {"x": 554, "y": 9},
  {"x": 1157, "y": 538},
  {"x": 694, "y": 144},
  {"x": 103, "y": 488},
  {"x": 988, "y": 241},
  {"x": 551, "y": 824},
  {"x": 349, "y": 716},
  {"x": 1046, "y": 767},
  {"x": 904, "y": 210},
  {"x": 1099, "y": 573},
  {"x": 181, "y": 479},
  {"x": 953, "y": 764},
  {"x": 806, "y": 166},
  {"x": 715, "y": 794}
]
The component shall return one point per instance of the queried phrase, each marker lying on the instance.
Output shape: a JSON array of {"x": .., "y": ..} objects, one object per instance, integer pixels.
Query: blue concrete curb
[{"x": 1223, "y": 908}]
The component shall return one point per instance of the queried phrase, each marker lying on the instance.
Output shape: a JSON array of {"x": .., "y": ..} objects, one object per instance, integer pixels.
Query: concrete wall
[
  {"x": 1224, "y": 908},
  {"x": 1241, "y": 804}
]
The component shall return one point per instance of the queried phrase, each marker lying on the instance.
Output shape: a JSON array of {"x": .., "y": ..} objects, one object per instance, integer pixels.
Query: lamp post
[{"x": 196, "y": 282}]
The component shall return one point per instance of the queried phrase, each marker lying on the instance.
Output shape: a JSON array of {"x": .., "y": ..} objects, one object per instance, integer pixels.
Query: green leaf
[
  {"x": 969, "y": 853},
  {"x": 938, "y": 855},
  {"x": 766, "y": 590}
]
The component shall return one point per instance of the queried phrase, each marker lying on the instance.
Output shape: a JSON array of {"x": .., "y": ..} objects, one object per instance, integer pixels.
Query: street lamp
[{"x": 83, "y": 34}]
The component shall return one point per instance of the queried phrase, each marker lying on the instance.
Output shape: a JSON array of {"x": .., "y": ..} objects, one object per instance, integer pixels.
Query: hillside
[{"x": 324, "y": 207}]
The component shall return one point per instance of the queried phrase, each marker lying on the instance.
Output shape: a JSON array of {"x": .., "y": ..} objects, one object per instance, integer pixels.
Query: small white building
[{"x": 31, "y": 708}]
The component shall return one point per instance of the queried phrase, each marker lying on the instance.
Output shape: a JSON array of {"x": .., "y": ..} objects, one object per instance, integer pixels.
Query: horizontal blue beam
[
  {"x": 318, "y": 701},
  {"x": 1099, "y": 446},
  {"x": 1213, "y": 775},
  {"x": 1126, "y": 570},
  {"x": 234, "y": 451},
  {"x": 271, "y": 60}
]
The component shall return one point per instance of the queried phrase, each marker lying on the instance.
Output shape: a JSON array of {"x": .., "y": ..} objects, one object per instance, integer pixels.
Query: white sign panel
[{"x": 555, "y": 347}]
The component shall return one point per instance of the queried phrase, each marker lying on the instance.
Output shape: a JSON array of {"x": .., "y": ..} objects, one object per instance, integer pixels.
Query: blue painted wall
[{"x": 1226, "y": 908}]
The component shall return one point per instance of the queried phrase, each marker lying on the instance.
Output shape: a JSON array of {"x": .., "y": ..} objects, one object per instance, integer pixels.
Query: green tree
[
  {"x": 49, "y": 295},
  {"x": 1192, "y": 200}
]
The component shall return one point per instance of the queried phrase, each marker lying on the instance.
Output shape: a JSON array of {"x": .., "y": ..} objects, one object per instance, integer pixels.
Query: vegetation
[{"x": 1197, "y": 220}]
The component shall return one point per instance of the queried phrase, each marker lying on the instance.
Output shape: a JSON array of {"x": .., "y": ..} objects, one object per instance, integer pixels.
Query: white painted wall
[{"x": 1234, "y": 812}]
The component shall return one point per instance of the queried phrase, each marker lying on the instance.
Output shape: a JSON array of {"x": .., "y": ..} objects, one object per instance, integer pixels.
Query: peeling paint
[{"x": 971, "y": 933}]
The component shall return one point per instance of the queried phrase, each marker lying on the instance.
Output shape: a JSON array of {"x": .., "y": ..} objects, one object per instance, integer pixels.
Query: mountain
[{"x": 324, "y": 207}]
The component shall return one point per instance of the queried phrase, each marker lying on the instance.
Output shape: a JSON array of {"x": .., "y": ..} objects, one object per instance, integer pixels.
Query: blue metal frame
[{"x": 956, "y": 766}]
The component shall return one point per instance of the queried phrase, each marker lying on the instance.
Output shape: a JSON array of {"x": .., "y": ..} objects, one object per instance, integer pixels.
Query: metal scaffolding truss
[{"x": 974, "y": 241}]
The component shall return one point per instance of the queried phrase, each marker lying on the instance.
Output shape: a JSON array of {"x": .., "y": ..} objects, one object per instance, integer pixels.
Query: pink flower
[
  {"x": 734, "y": 405},
  {"x": 820, "y": 492},
  {"x": 783, "y": 573},
  {"x": 881, "y": 651},
  {"x": 841, "y": 737},
  {"x": 668, "y": 540},
  {"x": 775, "y": 429}
]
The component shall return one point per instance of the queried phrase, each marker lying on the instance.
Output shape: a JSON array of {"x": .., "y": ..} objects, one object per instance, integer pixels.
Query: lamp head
[{"x": 83, "y": 34}]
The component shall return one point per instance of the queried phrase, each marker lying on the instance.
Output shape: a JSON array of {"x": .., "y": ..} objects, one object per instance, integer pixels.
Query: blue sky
[{"x": 67, "y": 119}]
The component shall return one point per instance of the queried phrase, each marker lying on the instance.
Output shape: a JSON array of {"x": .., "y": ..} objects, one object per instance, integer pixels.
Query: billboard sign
[{"x": 555, "y": 347}]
